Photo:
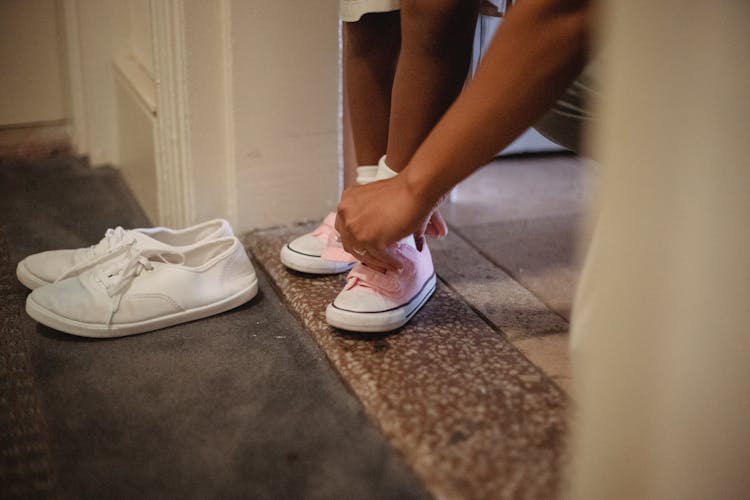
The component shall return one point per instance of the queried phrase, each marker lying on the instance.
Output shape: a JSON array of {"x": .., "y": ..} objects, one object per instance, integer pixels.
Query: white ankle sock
[
  {"x": 366, "y": 173},
  {"x": 385, "y": 172}
]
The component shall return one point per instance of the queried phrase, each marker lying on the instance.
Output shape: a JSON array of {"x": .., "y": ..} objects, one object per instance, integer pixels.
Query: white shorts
[{"x": 353, "y": 10}]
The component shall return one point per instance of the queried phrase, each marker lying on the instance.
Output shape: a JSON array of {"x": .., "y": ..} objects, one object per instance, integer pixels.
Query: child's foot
[
  {"x": 318, "y": 252},
  {"x": 373, "y": 301}
]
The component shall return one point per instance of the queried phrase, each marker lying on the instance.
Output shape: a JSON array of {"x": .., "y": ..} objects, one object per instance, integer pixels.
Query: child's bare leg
[
  {"x": 436, "y": 44},
  {"x": 371, "y": 47}
]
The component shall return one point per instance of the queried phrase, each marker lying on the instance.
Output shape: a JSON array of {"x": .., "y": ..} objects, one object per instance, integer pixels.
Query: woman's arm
[{"x": 537, "y": 52}]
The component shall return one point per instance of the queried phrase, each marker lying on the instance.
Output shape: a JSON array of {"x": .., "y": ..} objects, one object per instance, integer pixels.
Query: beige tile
[
  {"x": 549, "y": 352},
  {"x": 541, "y": 254}
]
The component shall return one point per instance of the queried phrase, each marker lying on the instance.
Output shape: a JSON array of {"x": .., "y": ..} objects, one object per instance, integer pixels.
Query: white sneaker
[
  {"x": 139, "y": 290},
  {"x": 47, "y": 267}
]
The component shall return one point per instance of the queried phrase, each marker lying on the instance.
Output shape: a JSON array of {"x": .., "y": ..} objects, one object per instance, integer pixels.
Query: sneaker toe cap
[
  {"x": 361, "y": 301},
  {"x": 70, "y": 299},
  {"x": 308, "y": 245},
  {"x": 48, "y": 266}
]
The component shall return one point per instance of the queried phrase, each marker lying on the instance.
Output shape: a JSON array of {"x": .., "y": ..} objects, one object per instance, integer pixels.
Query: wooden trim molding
[
  {"x": 172, "y": 129},
  {"x": 135, "y": 78},
  {"x": 227, "y": 52},
  {"x": 75, "y": 80}
]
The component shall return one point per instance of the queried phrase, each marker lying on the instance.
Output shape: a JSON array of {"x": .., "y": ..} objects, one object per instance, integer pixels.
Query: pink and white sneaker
[
  {"x": 373, "y": 301},
  {"x": 318, "y": 252}
]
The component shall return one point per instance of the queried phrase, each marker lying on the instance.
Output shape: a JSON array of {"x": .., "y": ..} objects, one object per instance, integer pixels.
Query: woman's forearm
[{"x": 537, "y": 52}]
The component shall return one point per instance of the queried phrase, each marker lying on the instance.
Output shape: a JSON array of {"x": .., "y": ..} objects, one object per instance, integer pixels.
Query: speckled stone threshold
[{"x": 470, "y": 413}]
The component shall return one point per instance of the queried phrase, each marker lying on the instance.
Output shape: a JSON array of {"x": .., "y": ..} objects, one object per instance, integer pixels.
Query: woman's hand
[{"x": 372, "y": 217}]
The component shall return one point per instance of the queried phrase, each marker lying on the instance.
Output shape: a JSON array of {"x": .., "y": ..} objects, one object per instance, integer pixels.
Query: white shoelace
[
  {"x": 115, "y": 240},
  {"x": 126, "y": 272}
]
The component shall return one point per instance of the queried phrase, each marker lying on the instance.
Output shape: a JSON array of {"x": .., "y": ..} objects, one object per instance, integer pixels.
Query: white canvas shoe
[
  {"x": 47, "y": 267},
  {"x": 139, "y": 290}
]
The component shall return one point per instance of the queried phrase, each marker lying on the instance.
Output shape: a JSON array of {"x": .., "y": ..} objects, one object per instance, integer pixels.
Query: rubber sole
[
  {"x": 27, "y": 278},
  {"x": 382, "y": 321},
  {"x": 100, "y": 331},
  {"x": 312, "y": 264}
]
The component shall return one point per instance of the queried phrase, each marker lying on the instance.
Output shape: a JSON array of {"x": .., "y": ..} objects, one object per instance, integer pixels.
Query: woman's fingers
[
  {"x": 371, "y": 255},
  {"x": 437, "y": 225},
  {"x": 381, "y": 260}
]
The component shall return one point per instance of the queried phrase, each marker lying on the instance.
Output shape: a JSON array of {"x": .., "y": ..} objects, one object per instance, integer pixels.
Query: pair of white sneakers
[
  {"x": 371, "y": 301},
  {"x": 138, "y": 280}
]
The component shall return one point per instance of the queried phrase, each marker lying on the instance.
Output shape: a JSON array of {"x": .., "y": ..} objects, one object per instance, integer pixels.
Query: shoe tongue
[
  {"x": 327, "y": 227},
  {"x": 330, "y": 220},
  {"x": 334, "y": 250},
  {"x": 409, "y": 241}
]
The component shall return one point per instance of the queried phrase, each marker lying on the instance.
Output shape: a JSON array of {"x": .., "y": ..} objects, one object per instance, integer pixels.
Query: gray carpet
[{"x": 243, "y": 404}]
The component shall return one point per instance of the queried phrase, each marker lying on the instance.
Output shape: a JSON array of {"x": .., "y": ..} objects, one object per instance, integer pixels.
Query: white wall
[
  {"x": 31, "y": 78},
  {"x": 223, "y": 108},
  {"x": 285, "y": 86},
  {"x": 95, "y": 34}
]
